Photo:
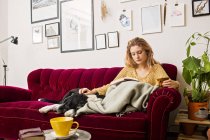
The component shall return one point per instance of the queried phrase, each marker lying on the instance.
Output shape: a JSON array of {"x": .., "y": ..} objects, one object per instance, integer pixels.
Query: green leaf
[
  {"x": 192, "y": 63},
  {"x": 186, "y": 75},
  {"x": 192, "y": 43},
  {"x": 206, "y": 62}
]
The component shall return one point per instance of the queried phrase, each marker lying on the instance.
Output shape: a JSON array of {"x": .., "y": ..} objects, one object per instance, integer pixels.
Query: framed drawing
[
  {"x": 151, "y": 19},
  {"x": 52, "y": 29},
  {"x": 76, "y": 25},
  {"x": 42, "y": 10},
  {"x": 53, "y": 42},
  {"x": 100, "y": 41},
  {"x": 200, "y": 8},
  {"x": 113, "y": 39},
  {"x": 37, "y": 34},
  {"x": 125, "y": 19}
]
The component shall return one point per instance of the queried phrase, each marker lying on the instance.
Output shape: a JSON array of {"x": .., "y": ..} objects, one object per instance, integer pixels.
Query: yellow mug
[{"x": 63, "y": 125}]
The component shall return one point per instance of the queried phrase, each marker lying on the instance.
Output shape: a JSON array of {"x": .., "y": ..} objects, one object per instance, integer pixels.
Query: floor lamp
[{"x": 14, "y": 40}]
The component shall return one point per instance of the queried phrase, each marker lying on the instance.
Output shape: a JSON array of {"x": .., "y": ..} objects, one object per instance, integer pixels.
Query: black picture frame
[
  {"x": 200, "y": 8},
  {"x": 113, "y": 39},
  {"x": 76, "y": 36},
  {"x": 52, "y": 29},
  {"x": 100, "y": 41},
  {"x": 44, "y": 10}
]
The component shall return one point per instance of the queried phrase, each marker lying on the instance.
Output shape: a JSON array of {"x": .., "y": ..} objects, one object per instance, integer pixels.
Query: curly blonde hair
[{"x": 137, "y": 41}]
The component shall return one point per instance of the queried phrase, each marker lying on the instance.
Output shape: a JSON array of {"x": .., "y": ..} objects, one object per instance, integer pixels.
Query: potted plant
[{"x": 196, "y": 73}]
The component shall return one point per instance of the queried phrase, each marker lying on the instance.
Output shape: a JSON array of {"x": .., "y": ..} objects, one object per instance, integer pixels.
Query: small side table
[
  {"x": 79, "y": 135},
  {"x": 182, "y": 119}
]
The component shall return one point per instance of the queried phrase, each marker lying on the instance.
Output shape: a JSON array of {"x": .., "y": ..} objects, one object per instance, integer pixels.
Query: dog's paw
[
  {"x": 70, "y": 113},
  {"x": 44, "y": 109},
  {"x": 48, "y": 108}
]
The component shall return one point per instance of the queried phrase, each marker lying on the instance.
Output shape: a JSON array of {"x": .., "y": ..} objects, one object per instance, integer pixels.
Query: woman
[{"x": 140, "y": 65}]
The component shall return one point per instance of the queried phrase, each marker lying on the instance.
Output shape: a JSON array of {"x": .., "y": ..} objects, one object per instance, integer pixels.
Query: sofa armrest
[
  {"x": 161, "y": 102},
  {"x": 10, "y": 94}
]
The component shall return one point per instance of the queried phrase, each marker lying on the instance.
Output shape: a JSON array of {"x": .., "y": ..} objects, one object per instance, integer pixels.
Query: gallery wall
[{"x": 168, "y": 45}]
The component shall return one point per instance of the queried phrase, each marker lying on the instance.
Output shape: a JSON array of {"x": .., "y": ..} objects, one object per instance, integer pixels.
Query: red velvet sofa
[{"x": 19, "y": 107}]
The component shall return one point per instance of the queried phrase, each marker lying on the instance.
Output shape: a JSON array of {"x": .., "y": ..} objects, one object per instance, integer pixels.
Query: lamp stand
[{"x": 5, "y": 74}]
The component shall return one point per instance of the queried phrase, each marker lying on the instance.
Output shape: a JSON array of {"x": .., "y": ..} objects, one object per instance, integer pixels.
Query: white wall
[
  {"x": 3, "y": 35},
  {"x": 168, "y": 46}
]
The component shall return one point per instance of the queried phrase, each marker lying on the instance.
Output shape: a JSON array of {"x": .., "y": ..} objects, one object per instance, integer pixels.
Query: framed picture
[
  {"x": 52, "y": 29},
  {"x": 151, "y": 19},
  {"x": 42, "y": 10},
  {"x": 100, "y": 41},
  {"x": 37, "y": 34},
  {"x": 76, "y": 25},
  {"x": 53, "y": 42},
  {"x": 113, "y": 39},
  {"x": 125, "y": 19},
  {"x": 200, "y": 8}
]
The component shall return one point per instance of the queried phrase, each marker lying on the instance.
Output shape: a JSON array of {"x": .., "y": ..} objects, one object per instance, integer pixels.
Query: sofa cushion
[{"x": 135, "y": 121}]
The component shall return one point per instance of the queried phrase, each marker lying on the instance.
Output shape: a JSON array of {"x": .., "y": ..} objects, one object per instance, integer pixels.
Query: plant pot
[
  {"x": 188, "y": 128},
  {"x": 198, "y": 111}
]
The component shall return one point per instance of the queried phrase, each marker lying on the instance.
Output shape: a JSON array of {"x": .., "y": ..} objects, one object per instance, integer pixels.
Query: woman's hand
[
  {"x": 86, "y": 91},
  {"x": 170, "y": 84}
]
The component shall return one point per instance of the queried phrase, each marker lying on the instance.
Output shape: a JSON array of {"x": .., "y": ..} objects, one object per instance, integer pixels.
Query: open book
[{"x": 118, "y": 81}]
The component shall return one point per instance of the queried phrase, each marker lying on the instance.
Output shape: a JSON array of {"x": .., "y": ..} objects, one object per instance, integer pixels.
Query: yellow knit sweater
[{"x": 155, "y": 72}]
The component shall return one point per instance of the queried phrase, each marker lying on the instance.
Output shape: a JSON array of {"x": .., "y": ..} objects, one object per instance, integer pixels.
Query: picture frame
[
  {"x": 76, "y": 24},
  {"x": 113, "y": 39},
  {"x": 43, "y": 10},
  {"x": 100, "y": 41},
  {"x": 151, "y": 19},
  {"x": 200, "y": 8},
  {"x": 52, "y": 29},
  {"x": 53, "y": 42},
  {"x": 37, "y": 34}
]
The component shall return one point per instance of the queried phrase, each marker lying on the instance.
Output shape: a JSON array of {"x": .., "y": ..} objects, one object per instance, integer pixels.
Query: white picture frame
[
  {"x": 113, "y": 39},
  {"x": 151, "y": 19},
  {"x": 43, "y": 10},
  {"x": 37, "y": 34},
  {"x": 53, "y": 42},
  {"x": 100, "y": 41},
  {"x": 77, "y": 32}
]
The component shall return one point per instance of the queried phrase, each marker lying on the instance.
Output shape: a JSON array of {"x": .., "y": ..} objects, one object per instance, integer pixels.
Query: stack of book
[{"x": 31, "y": 134}]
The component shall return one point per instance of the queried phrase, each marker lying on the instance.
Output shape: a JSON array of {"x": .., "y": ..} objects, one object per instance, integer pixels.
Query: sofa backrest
[{"x": 55, "y": 83}]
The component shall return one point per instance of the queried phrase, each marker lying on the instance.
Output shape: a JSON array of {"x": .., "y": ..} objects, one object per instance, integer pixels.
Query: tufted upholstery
[{"x": 19, "y": 107}]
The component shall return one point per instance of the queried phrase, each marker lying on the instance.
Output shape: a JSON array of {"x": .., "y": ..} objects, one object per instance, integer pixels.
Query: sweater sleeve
[
  {"x": 160, "y": 72},
  {"x": 102, "y": 90}
]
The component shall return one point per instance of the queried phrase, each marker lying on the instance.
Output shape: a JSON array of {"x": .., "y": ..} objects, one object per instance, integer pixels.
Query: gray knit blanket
[{"x": 121, "y": 97}]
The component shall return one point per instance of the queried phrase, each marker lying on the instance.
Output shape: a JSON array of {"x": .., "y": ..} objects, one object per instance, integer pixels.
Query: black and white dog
[{"x": 70, "y": 103}]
